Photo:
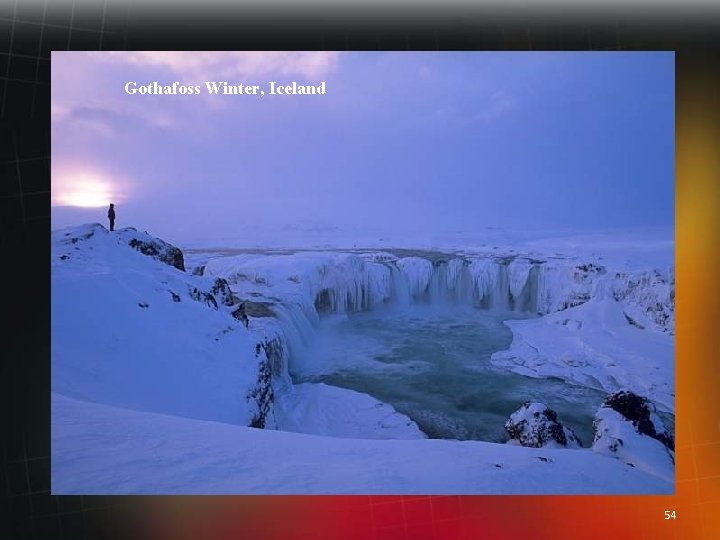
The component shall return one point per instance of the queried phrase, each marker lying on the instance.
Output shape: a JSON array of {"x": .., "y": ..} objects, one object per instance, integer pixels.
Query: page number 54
[{"x": 669, "y": 514}]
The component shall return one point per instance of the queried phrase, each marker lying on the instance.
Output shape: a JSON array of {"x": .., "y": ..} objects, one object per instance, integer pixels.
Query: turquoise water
[{"x": 432, "y": 364}]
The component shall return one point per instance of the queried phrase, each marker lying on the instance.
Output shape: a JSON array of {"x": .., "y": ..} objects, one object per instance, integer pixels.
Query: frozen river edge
[{"x": 147, "y": 280}]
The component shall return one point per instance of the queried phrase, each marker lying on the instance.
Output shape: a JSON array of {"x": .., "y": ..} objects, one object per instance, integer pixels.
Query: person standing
[{"x": 111, "y": 216}]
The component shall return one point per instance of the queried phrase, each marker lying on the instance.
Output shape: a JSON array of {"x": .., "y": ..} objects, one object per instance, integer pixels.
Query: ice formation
[
  {"x": 156, "y": 345},
  {"x": 308, "y": 283},
  {"x": 598, "y": 327}
]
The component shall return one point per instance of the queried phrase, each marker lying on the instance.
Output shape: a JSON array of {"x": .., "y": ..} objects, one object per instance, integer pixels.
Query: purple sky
[{"x": 417, "y": 141}]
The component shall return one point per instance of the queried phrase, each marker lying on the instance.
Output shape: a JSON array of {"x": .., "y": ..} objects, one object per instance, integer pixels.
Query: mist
[{"x": 426, "y": 143}]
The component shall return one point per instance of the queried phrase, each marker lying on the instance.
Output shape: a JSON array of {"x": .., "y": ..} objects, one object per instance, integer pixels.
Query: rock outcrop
[
  {"x": 202, "y": 296},
  {"x": 262, "y": 396},
  {"x": 641, "y": 413},
  {"x": 537, "y": 426},
  {"x": 221, "y": 291},
  {"x": 157, "y": 249},
  {"x": 626, "y": 427}
]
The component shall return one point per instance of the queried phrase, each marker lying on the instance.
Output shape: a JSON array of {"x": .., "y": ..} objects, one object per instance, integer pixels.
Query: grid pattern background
[{"x": 28, "y": 34}]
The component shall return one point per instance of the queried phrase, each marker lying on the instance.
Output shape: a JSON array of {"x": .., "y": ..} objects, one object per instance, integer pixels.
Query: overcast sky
[{"x": 418, "y": 141}]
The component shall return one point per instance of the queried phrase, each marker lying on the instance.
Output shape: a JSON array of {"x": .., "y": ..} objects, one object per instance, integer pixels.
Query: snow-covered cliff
[
  {"x": 131, "y": 328},
  {"x": 149, "y": 358}
]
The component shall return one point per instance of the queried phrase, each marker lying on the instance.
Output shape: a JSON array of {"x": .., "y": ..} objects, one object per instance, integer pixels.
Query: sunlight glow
[{"x": 84, "y": 190}]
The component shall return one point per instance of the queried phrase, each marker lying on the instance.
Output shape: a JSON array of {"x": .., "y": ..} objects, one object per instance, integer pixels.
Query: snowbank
[
  {"x": 97, "y": 449},
  {"x": 594, "y": 345},
  {"x": 615, "y": 436},
  {"x": 132, "y": 331},
  {"x": 320, "y": 409}
]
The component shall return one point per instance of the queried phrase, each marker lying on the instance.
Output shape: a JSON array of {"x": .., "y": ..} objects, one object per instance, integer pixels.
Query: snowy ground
[
  {"x": 98, "y": 449},
  {"x": 594, "y": 345},
  {"x": 320, "y": 409},
  {"x": 153, "y": 386}
]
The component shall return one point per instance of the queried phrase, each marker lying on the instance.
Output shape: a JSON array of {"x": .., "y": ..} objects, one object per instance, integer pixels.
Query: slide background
[{"x": 27, "y": 35}]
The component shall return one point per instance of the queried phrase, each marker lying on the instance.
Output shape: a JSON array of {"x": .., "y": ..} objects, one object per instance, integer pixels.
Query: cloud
[
  {"x": 492, "y": 108},
  {"x": 426, "y": 73},
  {"x": 199, "y": 66},
  {"x": 88, "y": 86},
  {"x": 109, "y": 123},
  {"x": 498, "y": 105}
]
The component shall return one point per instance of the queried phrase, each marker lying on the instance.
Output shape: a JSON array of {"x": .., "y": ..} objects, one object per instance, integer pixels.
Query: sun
[{"x": 85, "y": 191}]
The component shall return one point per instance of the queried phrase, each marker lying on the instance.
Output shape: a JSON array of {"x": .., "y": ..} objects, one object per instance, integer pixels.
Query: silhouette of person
[{"x": 111, "y": 216}]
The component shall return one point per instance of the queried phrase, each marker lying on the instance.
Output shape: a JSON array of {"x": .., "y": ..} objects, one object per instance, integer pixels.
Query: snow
[
  {"x": 119, "y": 338},
  {"x": 97, "y": 449},
  {"x": 593, "y": 345},
  {"x": 320, "y": 409},
  {"x": 605, "y": 328},
  {"x": 154, "y": 385},
  {"x": 617, "y": 437},
  {"x": 537, "y": 426},
  {"x": 352, "y": 282}
]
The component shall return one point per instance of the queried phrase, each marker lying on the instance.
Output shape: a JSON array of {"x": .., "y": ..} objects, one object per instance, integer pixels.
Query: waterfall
[
  {"x": 305, "y": 286},
  {"x": 483, "y": 283},
  {"x": 297, "y": 321}
]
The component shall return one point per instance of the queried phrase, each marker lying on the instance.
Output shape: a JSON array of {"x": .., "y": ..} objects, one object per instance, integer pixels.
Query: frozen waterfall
[{"x": 299, "y": 287}]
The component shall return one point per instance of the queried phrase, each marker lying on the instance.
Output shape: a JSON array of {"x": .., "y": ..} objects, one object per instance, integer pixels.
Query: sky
[{"x": 416, "y": 141}]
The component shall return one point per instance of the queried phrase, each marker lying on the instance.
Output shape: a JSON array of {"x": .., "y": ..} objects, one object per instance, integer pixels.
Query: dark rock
[
  {"x": 627, "y": 428},
  {"x": 259, "y": 309},
  {"x": 591, "y": 268},
  {"x": 275, "y": 353},
  {"x": 175, "y": 297},
  {"x": 643, "y": 415},
  {"x": 633, "y": 322},
  {"x": 241, "y": 315},
  {"x": 574, "y": 300},
  {"x": 162, "y": 251},
  {"x": 535, "y": 425},
  {"x": 199, "y": 270},
  {"x": 143, "y": 304},
  {"x": 262, "y": 394},
  {"x": 221, "y": 291},
  {"x": 201, "y": 296}
]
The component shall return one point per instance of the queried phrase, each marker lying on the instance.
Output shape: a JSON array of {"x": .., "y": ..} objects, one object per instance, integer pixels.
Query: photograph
[{"x": 362, "y": 273}]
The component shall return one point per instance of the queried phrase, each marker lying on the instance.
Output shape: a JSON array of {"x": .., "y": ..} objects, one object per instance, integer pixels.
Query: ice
[
  {"x": 518, "y": 272},
  {"x": 570, "y": 341},
  {"x": 416, "y": 272},
  {"x": 594, "y": 345},
  {"x": 143, "y": 362}
]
